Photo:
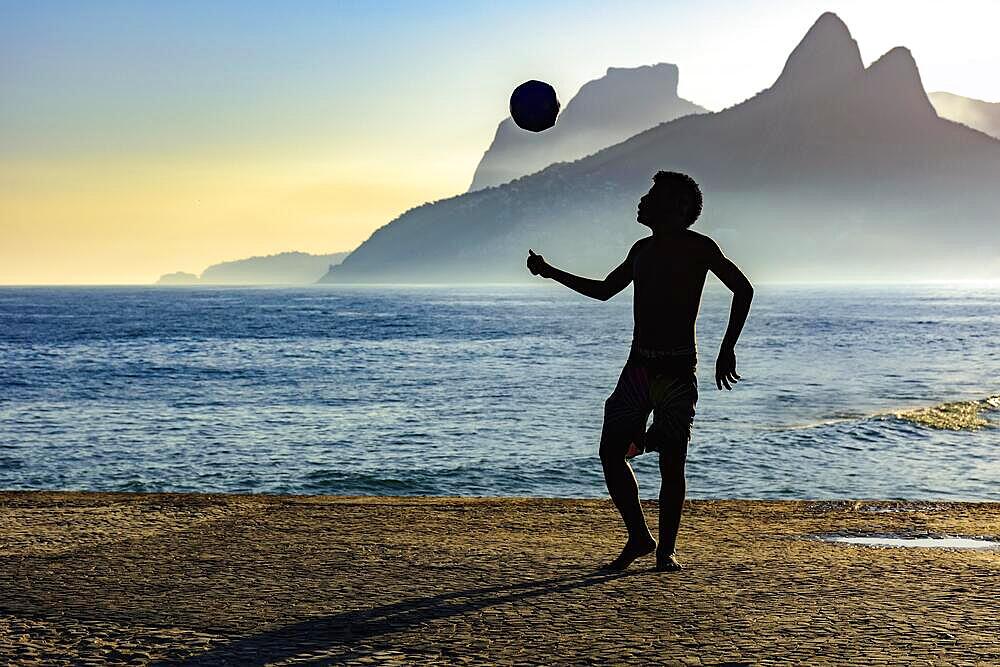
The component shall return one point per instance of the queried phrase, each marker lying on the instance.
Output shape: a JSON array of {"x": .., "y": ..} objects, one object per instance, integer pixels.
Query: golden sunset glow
[{"x": 136, "y": 141}]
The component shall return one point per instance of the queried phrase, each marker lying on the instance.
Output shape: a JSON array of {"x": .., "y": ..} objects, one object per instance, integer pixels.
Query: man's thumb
[{"x": 531, "y": 252}]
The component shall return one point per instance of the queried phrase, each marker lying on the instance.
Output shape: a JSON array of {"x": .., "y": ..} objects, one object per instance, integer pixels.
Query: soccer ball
[{"x": 534, "y": 106}]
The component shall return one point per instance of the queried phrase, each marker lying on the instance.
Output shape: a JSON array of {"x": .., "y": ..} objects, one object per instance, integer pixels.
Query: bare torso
[{"x": 668, "y": 274}]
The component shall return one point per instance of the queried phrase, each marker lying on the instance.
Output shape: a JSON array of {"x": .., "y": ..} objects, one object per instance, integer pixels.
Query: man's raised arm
[
  {"x": 735, "y": 280},
  {"x": 615, "y": 282}
]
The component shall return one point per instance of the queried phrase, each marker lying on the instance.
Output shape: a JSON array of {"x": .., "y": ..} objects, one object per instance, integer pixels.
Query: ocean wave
[
  {"x": 968, "y": 415},
  {"x": 10, "y": 463},
  {"x": 347, "y": 482},
  {"x": 565, "y": 477},
  {"x": 953, "y": 416}
]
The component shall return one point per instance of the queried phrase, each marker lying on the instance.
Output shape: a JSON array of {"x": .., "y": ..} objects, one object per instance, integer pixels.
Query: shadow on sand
[{"x": 338, "y": 635}]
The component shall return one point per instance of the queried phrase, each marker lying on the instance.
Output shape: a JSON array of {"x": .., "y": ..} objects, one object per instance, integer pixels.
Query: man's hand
[
  {"x": 725, "y": 369},
  {"x": 537, "y": 264}
]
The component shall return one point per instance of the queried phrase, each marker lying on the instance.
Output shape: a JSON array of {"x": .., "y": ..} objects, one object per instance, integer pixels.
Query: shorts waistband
[
  {"x": 664, "y": 353},
  {"x": 670, "y": 361}
]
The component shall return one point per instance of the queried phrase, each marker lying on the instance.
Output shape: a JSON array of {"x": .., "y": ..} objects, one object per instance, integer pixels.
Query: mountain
[
  {"x": 983, "y": 116},
  {"x": 286, "y": 268},
  {"x": 178, "y": 278},
  {"x": 835, "y": 172},
  {"x": 605, "y": 111},
  {"x": 282, "y": 268}
]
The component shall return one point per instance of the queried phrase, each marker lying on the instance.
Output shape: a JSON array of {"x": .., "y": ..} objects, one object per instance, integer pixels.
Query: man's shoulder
[
  {"x": 698, "y": 237},
  {"x": 700, "y": 244},
  {"x": 638, "y": 245},
  {"x": 704, "y": 242}
]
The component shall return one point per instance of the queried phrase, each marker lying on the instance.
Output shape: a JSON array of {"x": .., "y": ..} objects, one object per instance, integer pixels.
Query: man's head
[{"x": 673, "y": 202}]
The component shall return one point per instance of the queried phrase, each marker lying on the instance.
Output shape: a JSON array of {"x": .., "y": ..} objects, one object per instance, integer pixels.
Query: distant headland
[{"x": 285, "y": 268}]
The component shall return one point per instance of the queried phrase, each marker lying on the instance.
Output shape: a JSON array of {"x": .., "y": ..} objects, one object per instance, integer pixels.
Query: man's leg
[
  {"x": 625, "y": 415},
  {"x": 674, "y": 397},
  {"x": 673, "y": 486},
  {"x": 624, "y": 491}
]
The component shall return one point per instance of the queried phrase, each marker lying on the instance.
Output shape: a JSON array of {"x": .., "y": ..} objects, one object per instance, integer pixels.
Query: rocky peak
[
  {"x": 895, "y": 79},
  {"x": 825, "y": 57},
  {"x": 640, "y": 88},
  {"x": 605, "y": 111}
]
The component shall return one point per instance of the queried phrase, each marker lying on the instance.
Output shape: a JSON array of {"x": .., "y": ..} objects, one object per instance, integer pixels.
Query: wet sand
[{"x": 90, "y": 578}]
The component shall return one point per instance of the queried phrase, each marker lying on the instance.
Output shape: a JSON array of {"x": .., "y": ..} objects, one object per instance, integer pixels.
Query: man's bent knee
[
  {"x": 611, "y": 455},
  {"x": 613, "y": 449}
]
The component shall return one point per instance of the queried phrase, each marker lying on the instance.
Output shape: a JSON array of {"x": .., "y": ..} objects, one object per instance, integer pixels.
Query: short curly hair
[{"x": 683, "y": 190}]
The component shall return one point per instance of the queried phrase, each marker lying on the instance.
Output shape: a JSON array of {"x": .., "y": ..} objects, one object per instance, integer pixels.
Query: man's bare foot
[
  {"x": 633, "y": 549},
  {"x": 667, "y": 563}
]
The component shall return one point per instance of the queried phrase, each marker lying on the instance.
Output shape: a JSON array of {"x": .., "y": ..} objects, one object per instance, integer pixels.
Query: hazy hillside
[
  {"x": 178, "y": 278},
  {"x": 286, "y": 268},
  {"x": 983, "y": 116},
  {"x": 605, "y": 111},
  {"x": 835, "y": 172}
]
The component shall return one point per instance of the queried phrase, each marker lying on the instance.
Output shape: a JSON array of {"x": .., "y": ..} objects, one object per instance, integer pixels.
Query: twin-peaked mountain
[
  {"x": 605, "y": 111},
  {"x": 837, "y": 171}
]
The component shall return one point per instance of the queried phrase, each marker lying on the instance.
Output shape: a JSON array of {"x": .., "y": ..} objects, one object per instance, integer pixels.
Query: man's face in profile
[
  {"x": 651, "y": 209},
  {"x": 644, "y": 213},
  {"x": 659, "y": 207}
]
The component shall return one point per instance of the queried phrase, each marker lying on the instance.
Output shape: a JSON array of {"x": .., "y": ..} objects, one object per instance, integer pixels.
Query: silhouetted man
[{"x": 669, "y": 270}]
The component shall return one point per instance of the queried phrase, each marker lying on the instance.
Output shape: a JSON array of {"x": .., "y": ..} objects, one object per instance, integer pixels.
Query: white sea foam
[{"x": 918, "y": 542}]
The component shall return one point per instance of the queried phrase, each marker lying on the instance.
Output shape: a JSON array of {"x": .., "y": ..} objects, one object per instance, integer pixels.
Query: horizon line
[{"x": 511, "y": 283}]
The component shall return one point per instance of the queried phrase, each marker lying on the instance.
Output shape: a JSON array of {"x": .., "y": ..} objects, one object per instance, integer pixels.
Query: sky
[{"x": 139, "y": 138}]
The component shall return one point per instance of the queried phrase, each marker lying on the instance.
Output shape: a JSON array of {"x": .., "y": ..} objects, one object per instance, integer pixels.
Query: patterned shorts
[{"x": 668, "y": 389}]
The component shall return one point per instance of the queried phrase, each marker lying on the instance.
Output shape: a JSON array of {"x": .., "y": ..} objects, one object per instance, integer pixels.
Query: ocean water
[{"x": 491, "y": 391}]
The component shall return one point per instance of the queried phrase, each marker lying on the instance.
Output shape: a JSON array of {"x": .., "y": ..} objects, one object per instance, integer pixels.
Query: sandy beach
[{"x": 92, "y": 578}]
